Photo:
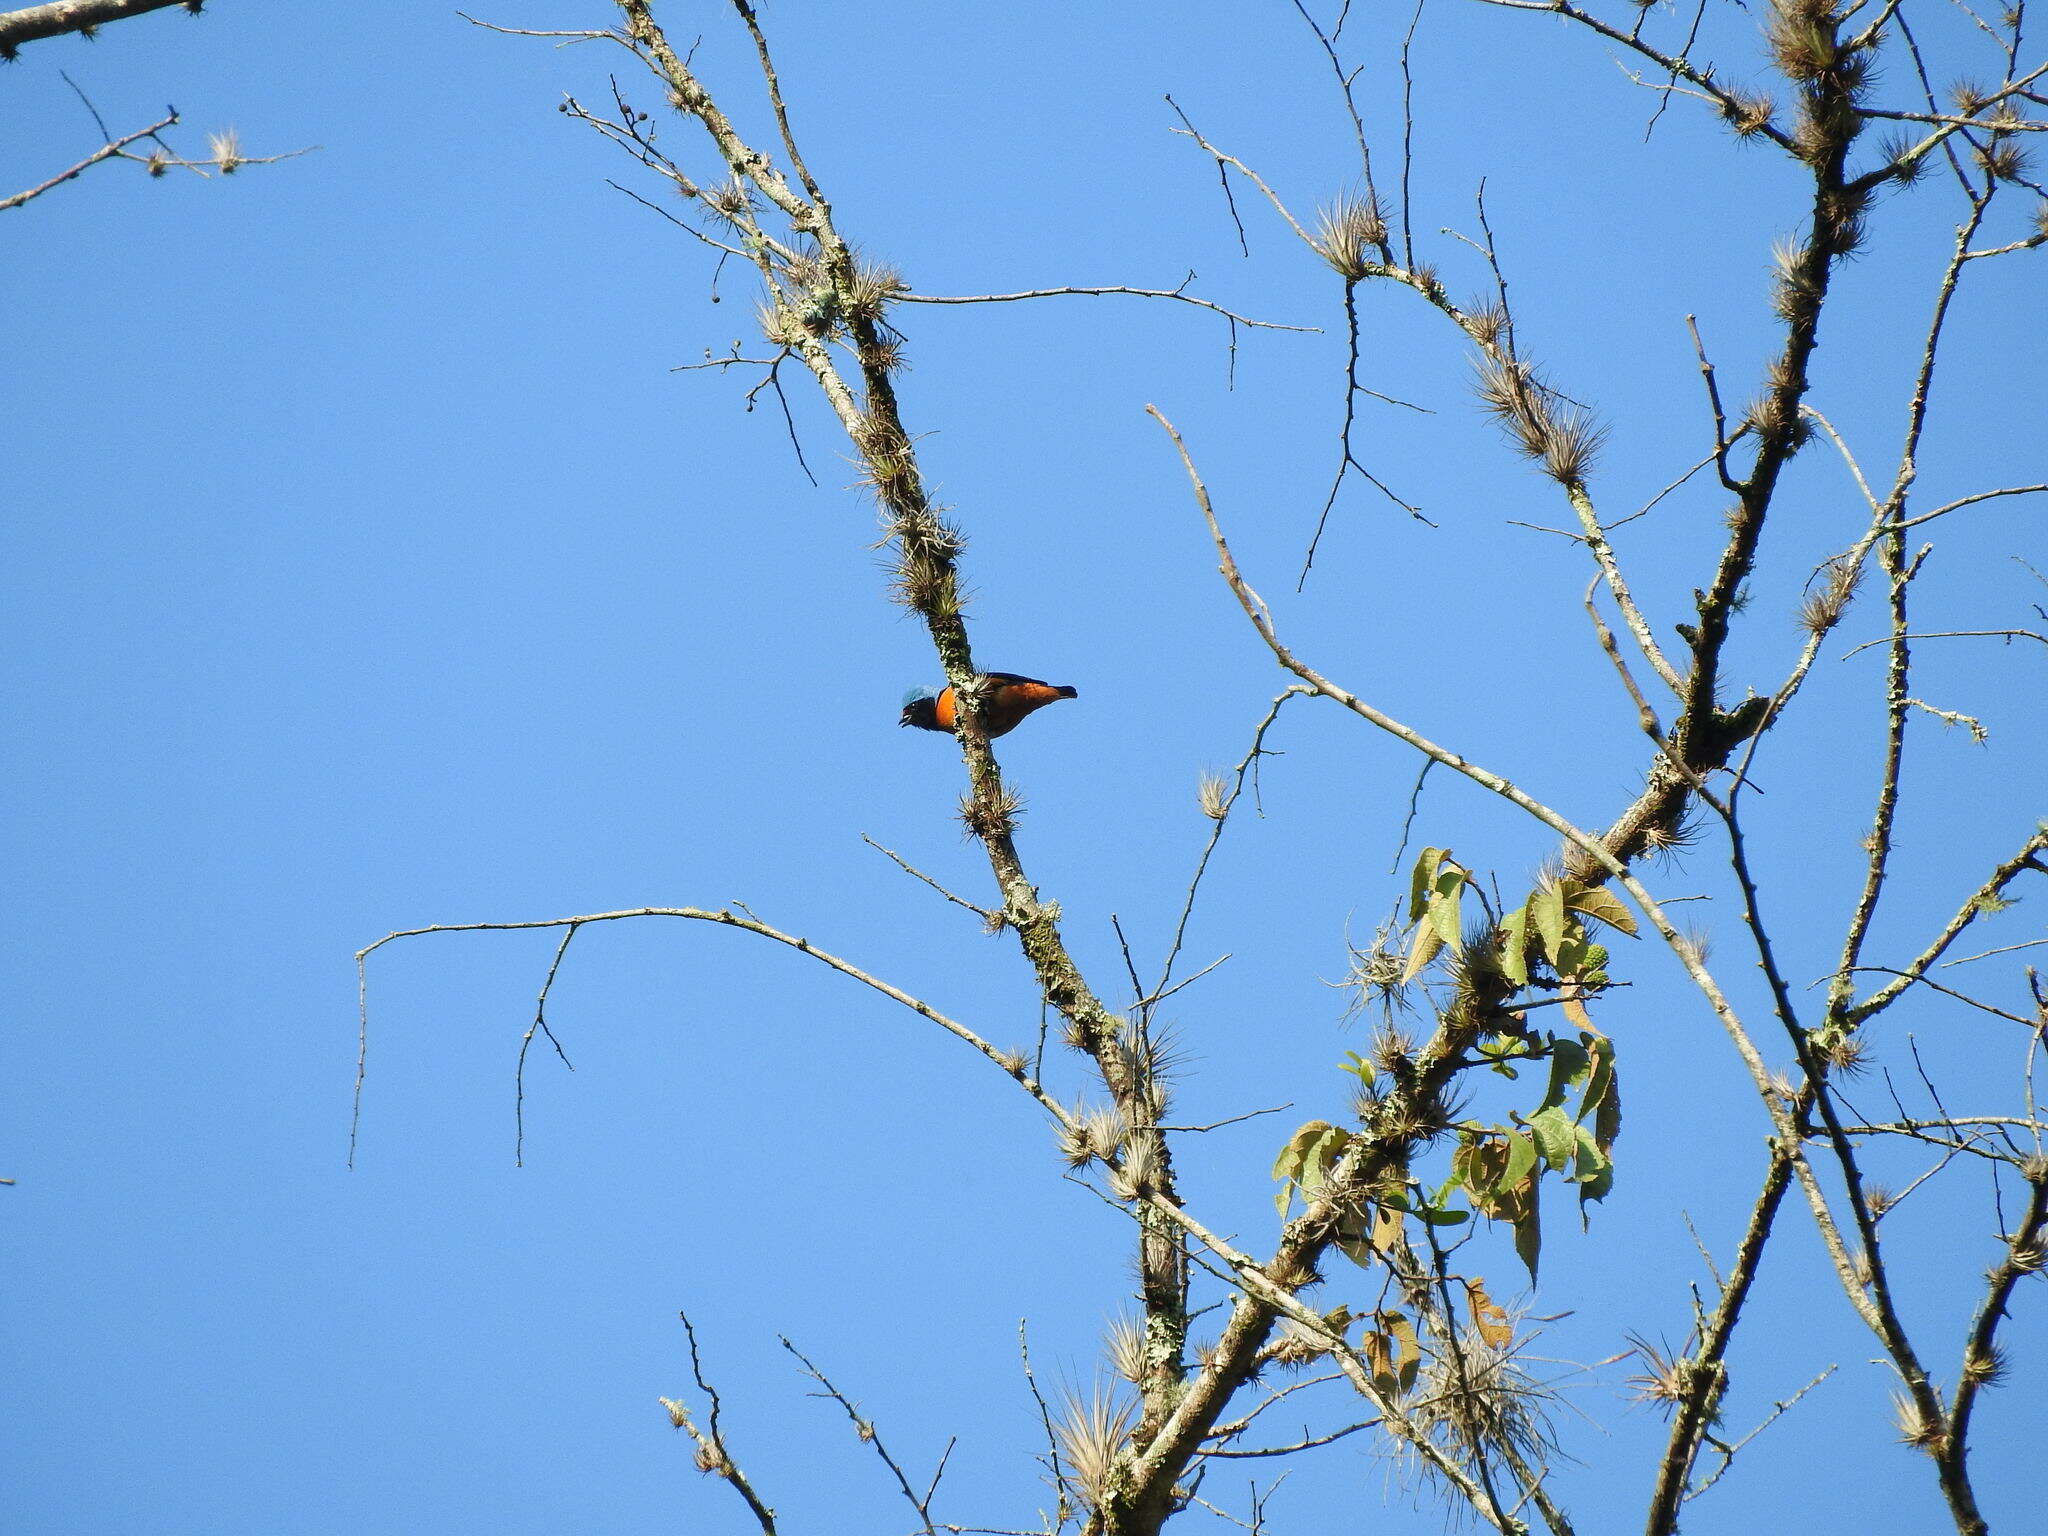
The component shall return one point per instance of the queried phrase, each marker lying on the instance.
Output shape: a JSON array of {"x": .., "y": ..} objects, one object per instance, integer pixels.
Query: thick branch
[{"x": 39, "y": 21}]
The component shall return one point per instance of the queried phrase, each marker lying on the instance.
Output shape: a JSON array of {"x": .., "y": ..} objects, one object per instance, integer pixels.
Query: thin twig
[
  {"x": 539, "y": 1024},
  {"x": 865, "y": 1428},
  {"x": 1137, "y": 293}
]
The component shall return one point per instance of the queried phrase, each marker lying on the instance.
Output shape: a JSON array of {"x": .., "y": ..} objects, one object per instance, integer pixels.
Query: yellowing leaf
[
  {"x": 1424, "y": 949},
  {"x": 1488, "y": 1316},
  {"x": 1598, "y": 901},
  {"x": 1546, "y": 911},
  {"x": 1446, "y": 905},
  {"x": 1422, "y": 881}
]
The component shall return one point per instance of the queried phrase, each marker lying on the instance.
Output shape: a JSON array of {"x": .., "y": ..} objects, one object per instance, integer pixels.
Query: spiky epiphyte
[
  {"x": 884, "y": 453},
  {"x": 1749, "y": 115},
  {"x": 989, "y": 815},
  {"x": 1076, "y": 1143},
  {"x": 1795, "y": 295},
  {"x": 1968, "y": 97},
  {"x": 927, "y": 546},
  {"x": 1292, "y": 1274},
  {"x": 1104, "y": 1129},
  {"x": 1848, "y": 1055},
  {"x": 1561, "y": 437},
  {"x": 887, "y": 354},
  {"x": 1878, "y": 1199},
  {"x": 2003, "y": 159},
  {"x": 1134, "y": 1177},
  {"x": 1350, "y": 235},
  {"x": 1896, "y": 150},
  {"x": 1092, "y": 1435},
  {"x": 226, "y": 149},
  {"x": 1985, "y": 1367},
  {"x": 1841, "y": 219},
  {"x": 1479, "y": 1397},
  {"x": 930, "y": 589},
  {"x": 874, "y": 285},
  {"x": 1393, "y": 1049},
  {"x": 1918, "y": 1428},
  {"x": 1802, "y": 38},
  {"x": 710, "y": 1460},
  {"x": 777, "y": 325},
  {"x": 1474, "y": 970},
  {"x": 1666, "y": 1378},
  {"x": 1694, "y": 945},
  {"x": 1212, "y": 793},
  {"x": 1486, "y": 322},
  {"x": 804, "y": 269},
  {"x": 729, "y": 201},
  {"x": 1123, "y": 1346},
  {"x": 1824, "y": 606},
  {"x": 1375, "y": 975},
  {"x": 1297, "y": 1345},
  {"x": 1665, "y": 840}
]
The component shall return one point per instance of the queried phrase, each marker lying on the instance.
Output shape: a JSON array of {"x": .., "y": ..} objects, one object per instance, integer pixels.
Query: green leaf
[
  {"x": 1574, "y": 955},
  {"x": 1556, "y": 1136},
  {"x": 1546, "y": 911},
  {"x": 1595, "y": 1171},
  {"x": 1446, "y": 904},
  {"x": 1514, "y": 946},
  {"x": 1288, "y": 1164},
  {"x": 1607, "y": 1114},
  {"x": 1423, "y": 879},
  {"x": 1589, "y": 1159},
  {"x": 1435, "y": 1216},
  {"x": 1318, "y": 1157},
  {"x": 1598, "y": 901},
  {"x": 1529, "y": 1238},
  {"x": 1569, "y": 1064},
  {"x": 1521, "y": 1162},
  {"x": 1600, "y": 1077},
  {"x": 1360, "y": 1068}
]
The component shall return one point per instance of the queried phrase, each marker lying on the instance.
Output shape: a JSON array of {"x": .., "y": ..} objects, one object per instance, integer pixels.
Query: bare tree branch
[{"x": 34, "y": 22}]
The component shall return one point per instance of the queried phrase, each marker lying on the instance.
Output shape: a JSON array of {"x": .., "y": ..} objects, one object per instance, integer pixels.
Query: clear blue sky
[{"x": 369, "y": 567}]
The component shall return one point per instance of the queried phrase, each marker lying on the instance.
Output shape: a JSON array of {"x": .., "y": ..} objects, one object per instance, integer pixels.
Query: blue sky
[{"x": 370, "y": 567}]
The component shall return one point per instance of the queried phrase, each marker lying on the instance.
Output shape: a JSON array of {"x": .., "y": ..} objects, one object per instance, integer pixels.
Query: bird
[{"x": 1006, "y": 699}]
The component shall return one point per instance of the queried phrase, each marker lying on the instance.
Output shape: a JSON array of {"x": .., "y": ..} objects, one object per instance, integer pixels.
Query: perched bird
[{"x": 1006, "y": 699}]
